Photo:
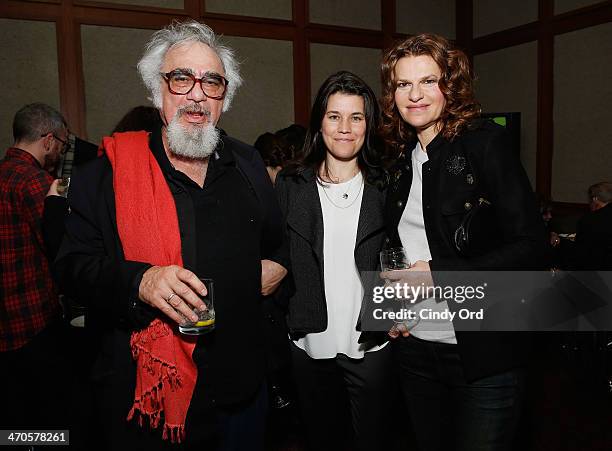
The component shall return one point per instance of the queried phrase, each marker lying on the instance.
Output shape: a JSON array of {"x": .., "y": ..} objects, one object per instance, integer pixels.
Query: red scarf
[{"x": 148, "y": 228}]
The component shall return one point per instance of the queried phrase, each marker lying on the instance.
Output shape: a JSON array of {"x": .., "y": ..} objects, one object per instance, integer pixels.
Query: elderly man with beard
[{"x": 149, "y": 218}]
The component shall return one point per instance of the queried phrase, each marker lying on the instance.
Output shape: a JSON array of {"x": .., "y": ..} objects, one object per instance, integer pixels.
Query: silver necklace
[{"x": 343, "y": 195}]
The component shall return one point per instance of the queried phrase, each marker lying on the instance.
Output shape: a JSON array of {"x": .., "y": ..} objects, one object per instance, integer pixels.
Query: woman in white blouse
[{"x": 332, "y": 200}]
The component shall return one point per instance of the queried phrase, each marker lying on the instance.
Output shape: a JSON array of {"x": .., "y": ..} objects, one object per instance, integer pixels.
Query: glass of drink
[
  {"x": 63, "y": 185},
  {"x": 394, "y": 259},
  {"x": 206, "y": 316}
]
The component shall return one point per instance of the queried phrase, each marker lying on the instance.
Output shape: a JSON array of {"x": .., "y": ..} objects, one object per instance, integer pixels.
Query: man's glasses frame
[
  {"x": 66, "y": 143},
  {"x": 207, "y": 76}
]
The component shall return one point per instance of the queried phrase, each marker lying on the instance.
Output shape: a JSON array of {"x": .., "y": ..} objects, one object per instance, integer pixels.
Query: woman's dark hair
[
  {"x": 139, "y": 118},
  {"x": 271, "y": 149},
  {"x": 456, "y": 84},
  {"x": 293, "y": 138},
  {"x": 314, "y": 151}
]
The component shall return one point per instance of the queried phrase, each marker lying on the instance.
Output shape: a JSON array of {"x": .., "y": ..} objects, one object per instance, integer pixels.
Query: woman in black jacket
[
  {"x": 332, "y": 201},
  {"x": 463, "y": 389}
]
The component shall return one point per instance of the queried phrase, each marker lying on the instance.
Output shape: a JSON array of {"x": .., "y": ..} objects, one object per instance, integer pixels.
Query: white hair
[
  {"x": 195, "y": 141},
  {"x": 197, "y": 144},
  {"x": 179, "y": 33}
]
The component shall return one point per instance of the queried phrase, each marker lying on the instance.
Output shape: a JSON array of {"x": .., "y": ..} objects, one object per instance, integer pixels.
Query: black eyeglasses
[
  {"x": 180, "y": 83},
  {"x": 66, "y": 143}
]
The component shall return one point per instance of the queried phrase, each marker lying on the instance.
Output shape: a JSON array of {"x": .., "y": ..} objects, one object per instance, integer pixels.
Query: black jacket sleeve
[
  {"x": 90, "y": 264},
  {"x": 253, "y": 169},
  {"x": 54, "y": 213},
  {"x": 274, "y": 245},
  {"x": 282, "y": 254}
]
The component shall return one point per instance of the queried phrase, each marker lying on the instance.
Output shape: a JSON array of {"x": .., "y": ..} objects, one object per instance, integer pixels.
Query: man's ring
[{"x": 170, "y": 297}]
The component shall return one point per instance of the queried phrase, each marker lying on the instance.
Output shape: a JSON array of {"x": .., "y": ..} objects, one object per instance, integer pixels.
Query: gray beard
[{"x": 198, "y": 143}]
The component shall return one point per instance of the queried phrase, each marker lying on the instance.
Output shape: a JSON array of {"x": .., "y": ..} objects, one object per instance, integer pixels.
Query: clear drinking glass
[
  {"x": 394, "y": 259},
  {"x": 63, "y": 185},
  {"x": 206, "y": 316}
]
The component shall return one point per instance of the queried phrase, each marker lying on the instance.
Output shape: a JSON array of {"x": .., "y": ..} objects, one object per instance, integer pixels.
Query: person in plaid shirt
[{"x": 30, "y": 312}]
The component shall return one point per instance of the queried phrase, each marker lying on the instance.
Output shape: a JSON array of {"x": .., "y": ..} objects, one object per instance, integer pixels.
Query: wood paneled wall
[{"x": 69, "y": 15}]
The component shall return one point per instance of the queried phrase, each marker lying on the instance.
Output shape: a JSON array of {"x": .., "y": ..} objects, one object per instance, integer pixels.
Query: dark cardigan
[{"x": 303, "y": 225}]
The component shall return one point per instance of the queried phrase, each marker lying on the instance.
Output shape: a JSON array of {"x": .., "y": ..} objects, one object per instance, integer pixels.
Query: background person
[
  {"x": 272, "y": 152},
  {"x": 293, "y": 137},
  {"x": 33, "y": 365},
  {"x": 280, "y": 148},
  {"x": 277, "y": 150},
  {"x": 139, "y": 118},
  {"x": 463, "y": 390},
  {"x": 594, "y": 230},
  {"x": 332, "y": 201}
]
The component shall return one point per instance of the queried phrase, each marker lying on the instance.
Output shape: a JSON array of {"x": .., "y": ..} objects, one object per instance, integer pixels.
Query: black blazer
[
  {"x": 450, "y": 187},
  {"x": 301, "y": 207}
]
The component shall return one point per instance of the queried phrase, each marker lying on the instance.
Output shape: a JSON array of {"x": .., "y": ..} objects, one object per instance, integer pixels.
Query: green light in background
[{"x": 500, "y": 120}]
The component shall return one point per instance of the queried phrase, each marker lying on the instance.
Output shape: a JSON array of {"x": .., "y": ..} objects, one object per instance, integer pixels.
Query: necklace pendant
[{"x": 345, "y": 196}]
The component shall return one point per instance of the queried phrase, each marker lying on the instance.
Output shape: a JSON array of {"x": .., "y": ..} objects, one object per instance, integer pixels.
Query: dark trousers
[
  {"x": 335, "y": 394},
  {"x": 239, "y": 427},
  {"x": 34, "y": 385},
  {"x": 447, "y": 412}
]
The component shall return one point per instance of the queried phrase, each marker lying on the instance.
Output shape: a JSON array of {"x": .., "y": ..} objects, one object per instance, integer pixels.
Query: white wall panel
[
  {"x": 348, "y": 13},
  {"x": 415, "y": 16},
  {"x": 327, "y": 59},
  {"x": 29, "y": 70},
  {"x": 112, "y": 83},
  {"x": 507, "y": 82},
  {"x": 491, "y": 16},
  {"x": 583, "y": 95},
  {"x": 265, "y": 101}
]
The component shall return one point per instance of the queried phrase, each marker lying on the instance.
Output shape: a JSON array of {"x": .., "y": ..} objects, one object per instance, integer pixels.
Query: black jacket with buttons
[{"x": 481, "y": 161}]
